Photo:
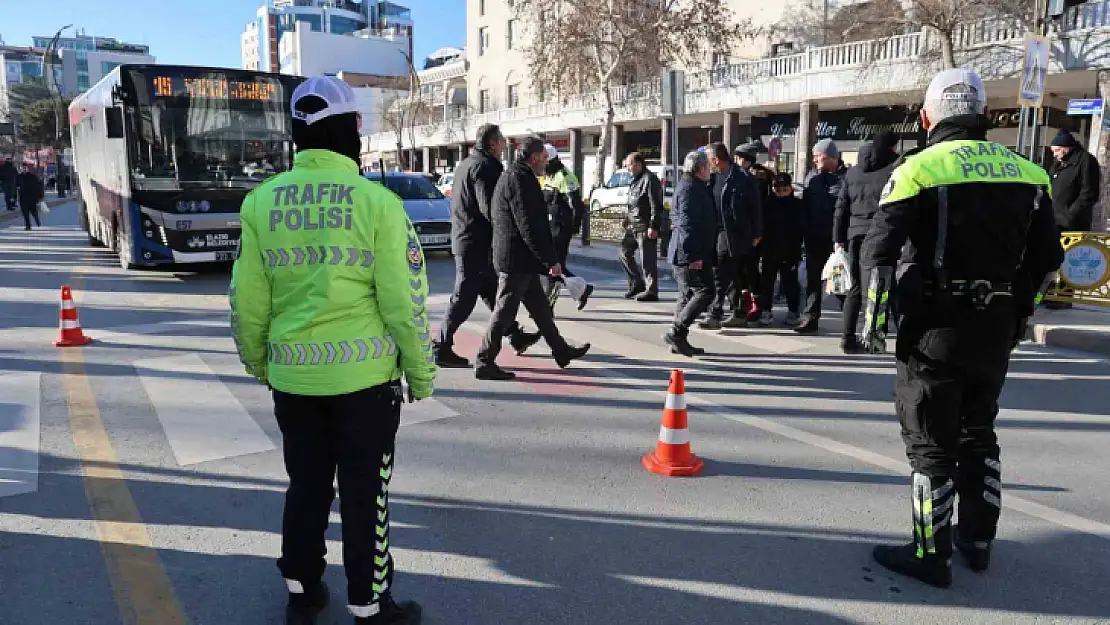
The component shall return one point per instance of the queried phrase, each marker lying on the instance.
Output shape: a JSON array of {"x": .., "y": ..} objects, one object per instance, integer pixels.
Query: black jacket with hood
[
  {"x": 1075, "y": 188},
  {"x": 863, "y": 184}
]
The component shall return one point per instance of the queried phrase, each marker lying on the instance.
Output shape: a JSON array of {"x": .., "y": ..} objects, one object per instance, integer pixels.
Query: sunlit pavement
[{"x": 141, "y": 482}]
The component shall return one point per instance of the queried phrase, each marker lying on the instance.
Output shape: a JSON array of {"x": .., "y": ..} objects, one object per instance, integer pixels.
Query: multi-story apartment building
[
  {"x": 18, "y": 65},
  {"x": 498, "y": 74},
  {"x": 85, "y": 59}
]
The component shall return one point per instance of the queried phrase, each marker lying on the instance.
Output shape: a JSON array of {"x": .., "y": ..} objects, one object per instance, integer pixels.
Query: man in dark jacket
[
  {"x": 30, "y": 192},
  {"x": 859, "y": 199},
  {"x": 472, "y": 244},
  {"x": 8, "y": 174},
  {"x": 782, "y": 250},
  {"x": 1075, "y": 184},
  {"x": 822, "y": 188},
  {"x": 739, "y": 228},
  {"x": 645, "y": 215},
  {"x": 692, "y": 251},
  {"x": 522, "y": 250}
]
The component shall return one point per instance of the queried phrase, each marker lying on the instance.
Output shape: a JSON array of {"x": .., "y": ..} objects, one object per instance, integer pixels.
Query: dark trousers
[
  {"x": 30, "y": 210},
  {"x": 474, "y": 278},
  {"x": 853, "y": 301},
  {"x": 562, "y": 240},
  {"x": 818, "y": 250},
  {"x": 695, "y": 294},
  {"x": 649, "y": 255},
  {"x": 786, "y": 271},
  {"x": 514, "y": 289},
  {"x": 951, "y": 369},
  {"x": 731, "y": 276},
  {"x": 353, "y": 435},
  {"x": 9, "y": 198}
]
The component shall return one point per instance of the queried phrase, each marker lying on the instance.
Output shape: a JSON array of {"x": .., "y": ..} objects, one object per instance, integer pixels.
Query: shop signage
[
  {"x": 851, "y": 125},
  {"x": 1089, "y": 106},
  {"x": 1086, "y": 264},
  {"x": 1011, "y": 118}
]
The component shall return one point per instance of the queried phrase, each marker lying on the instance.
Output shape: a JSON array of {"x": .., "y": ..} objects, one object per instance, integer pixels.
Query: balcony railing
[{"x": 631, "y": 100}]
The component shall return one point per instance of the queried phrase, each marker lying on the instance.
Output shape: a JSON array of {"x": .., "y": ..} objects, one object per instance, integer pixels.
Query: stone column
[
  {"x": 731, "y": 124},
  {"x": 427, "y": 156},
  {"x": 805, "y": 140},
  {"x": 1099, "y": 146},
  {"x": 464, "y": 151},
  {"x": 666, "y": 125},
  {"x": 616, "y": 146},
  {"x": 575, "y": 149}
]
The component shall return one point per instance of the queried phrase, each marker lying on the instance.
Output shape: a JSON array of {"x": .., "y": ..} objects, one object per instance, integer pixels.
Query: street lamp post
[{"x": 49, "y": 77}]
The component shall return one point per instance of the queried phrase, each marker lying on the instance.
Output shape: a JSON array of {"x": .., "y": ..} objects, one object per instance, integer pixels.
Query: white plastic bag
[
  {"x": 43, "y": 208},
  {"x": 837, "y": 274},
  {"x": 576, "y": 286}
]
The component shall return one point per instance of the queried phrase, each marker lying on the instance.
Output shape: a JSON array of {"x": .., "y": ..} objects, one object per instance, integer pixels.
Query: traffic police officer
[
  {"x": 979, "y": 223},
  {"x": 566, "y": 209},
  {"x": 328, "y": 301}
]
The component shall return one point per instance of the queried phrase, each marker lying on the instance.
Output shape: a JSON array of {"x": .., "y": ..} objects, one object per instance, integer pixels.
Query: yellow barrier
[{"x": 1084, "y": 278}]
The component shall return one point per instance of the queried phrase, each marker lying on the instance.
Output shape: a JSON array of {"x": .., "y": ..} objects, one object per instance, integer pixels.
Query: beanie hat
[
  {"x": 1064, "y": 139},
  {"x": 884, "y": 142},
  {"x": 827, "y": 147}
]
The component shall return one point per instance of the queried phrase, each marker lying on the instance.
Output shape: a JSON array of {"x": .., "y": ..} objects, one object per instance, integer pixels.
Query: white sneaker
[
  {"x": 793, "y": 319},
  {"x": 766, "y": 318}
]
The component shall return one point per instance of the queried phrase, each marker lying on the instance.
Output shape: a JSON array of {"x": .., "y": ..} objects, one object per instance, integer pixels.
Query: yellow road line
[{"x": 143, "y": 591}]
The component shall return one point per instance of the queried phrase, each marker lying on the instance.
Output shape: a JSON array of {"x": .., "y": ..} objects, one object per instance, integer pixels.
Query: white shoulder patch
[{"x": 888, "y": 189}]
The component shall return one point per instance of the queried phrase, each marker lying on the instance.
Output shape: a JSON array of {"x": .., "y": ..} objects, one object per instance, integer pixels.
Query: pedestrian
[
  {"x": 333, "y": 340},
  {"x": 645, "y": 214},
  {"x": 978, "y": 219},
  {"x": 822, "y": 188},
  {"x": 30, "y": 191},
  {"x": 739, "y": 229},
  {"x": 472, "y": 244},
  {"x": 746, "y": 156},
  {"x": 693, "y": 250},
  {"x": 8, "y": 176},
  {"x": 566, "y": 210},
  {"x": 1076, "y": 182},
  {"x": 522, "y": 250},
  {"x": 858, "y": 201},
  {"x": 782, "y": 250}
]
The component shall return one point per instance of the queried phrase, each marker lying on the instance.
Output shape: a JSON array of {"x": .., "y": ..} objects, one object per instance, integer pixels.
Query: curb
[{"x": 1064, "y": 337}]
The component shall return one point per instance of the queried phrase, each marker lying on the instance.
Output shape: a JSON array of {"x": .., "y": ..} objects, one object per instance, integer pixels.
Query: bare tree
[
  {"x": 598, "y": 44},
  {"x": 402, "y": 112},
  {"x": 815, "y": 22}
]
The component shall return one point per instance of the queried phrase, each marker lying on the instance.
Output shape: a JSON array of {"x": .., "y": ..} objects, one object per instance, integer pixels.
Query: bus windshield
[{"x": 207, "y": 128}]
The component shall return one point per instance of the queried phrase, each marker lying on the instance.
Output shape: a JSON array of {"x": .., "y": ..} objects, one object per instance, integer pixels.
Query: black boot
[
  {"x": 404, "y": 613},
  {"x": 680, "y": 343},
  {"x": 634, "y": 290},
  {"x": 979, "y": 484},
  {"x": 570, "y": 354},
  {"x": 304, "y": 607},
  {"x": 493, "y": 373},
  {"x": 522, "y": 340},
  {"x": 851, "y": 345},
  {"x": 446, "y": 358},
  {"x": 977, "y": 554},
  {"x": 585, "y": 296},
  {"x": 928, "y": 558}
]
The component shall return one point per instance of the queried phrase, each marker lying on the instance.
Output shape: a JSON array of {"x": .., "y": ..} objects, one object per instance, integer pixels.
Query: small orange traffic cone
[
  {"x": 69, "y": 334},
  {"x": 672, "y": 456}
]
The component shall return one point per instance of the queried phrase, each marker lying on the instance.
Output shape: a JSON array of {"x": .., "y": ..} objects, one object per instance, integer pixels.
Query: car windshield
[{"x": 413, "y": 188}]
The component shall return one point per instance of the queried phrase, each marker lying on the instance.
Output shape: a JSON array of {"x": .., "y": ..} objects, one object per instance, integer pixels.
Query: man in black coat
[
  {"x": 472, "y": 244},
  {"x": 855, "y": 208},
  {"x": 522, "y": 250},
  {"x": 645, "y": 217},
  {"x": 739, "y": 228},
  {"x": 693, "y": 250},
  {"x": 31, "y": 192},
  {"x": 822, "y": 188},
  {"x": 1075, "y": 184},
  {"x": 8, "y": 174},
  {"x": 782, "y": 250}
]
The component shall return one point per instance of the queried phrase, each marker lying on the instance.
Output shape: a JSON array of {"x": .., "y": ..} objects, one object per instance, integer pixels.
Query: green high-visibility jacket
[{"x": 329, "y": 291}]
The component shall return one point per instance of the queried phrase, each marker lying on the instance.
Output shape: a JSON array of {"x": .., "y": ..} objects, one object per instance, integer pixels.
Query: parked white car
[
  {"x": 614, "y": 192},
  {"x": 445, "y": 183}
]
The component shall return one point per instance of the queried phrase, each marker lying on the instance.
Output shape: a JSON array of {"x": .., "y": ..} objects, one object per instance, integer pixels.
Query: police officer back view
[
  {"x": 328, "y": 308},
  {"x": 981, "y": 235}
]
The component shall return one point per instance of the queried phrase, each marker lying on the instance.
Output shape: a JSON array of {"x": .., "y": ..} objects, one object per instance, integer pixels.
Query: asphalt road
[{"x": 141, "y": 482}]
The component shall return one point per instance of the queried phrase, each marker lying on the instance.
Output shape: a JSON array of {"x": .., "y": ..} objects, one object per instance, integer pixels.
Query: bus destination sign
[{"x": 215, "y": 88}]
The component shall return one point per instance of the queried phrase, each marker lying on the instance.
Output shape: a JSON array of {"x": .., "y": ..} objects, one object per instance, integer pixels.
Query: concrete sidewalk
[
  {"x": 1084, "y": 328},
  {"x": 51, "y": 202}
]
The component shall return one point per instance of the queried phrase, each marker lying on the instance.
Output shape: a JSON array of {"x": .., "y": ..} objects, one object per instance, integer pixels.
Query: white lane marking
[
  {"x": 424, "y": 411},
  {"x": 616, "y": 344},
  {"x": 20, "y": 397},
  {"x": 202, "y": 419}
]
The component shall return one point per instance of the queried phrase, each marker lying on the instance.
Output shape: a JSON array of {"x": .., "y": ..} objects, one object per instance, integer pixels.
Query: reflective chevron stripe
[
  {"x": 297, "y": 256},
  {"x": 341, "y": 352},
  {"x": 383, "y": 563}
]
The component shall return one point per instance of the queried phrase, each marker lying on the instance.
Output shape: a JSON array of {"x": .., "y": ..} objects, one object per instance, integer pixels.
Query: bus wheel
[
  {"x": 83, "y": 218},
  {"x": 122, "y": 249}
]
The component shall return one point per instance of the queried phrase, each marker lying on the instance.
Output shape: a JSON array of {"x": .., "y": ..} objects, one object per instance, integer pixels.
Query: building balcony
[{"x": 900, "y": 64}]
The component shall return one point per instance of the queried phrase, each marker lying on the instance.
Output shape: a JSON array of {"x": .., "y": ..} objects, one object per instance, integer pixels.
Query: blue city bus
[{"x": 165, "y": 154}]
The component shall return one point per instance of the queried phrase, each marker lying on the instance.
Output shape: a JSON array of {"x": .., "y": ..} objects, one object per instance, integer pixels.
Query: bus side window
[{"x": 113, "y": 121}]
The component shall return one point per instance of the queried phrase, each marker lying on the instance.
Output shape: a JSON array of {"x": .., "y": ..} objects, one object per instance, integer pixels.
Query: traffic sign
[
  {"x": 1089, "y": 106},
  {"x": 1034, "y": 70}
]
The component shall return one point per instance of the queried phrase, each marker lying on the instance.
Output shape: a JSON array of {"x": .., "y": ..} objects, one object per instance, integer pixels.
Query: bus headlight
[{"x": 204, "y": 206}]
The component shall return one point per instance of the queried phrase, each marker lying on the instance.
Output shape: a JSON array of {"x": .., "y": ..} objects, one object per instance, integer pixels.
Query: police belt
[{"x": 981, "y": 292}]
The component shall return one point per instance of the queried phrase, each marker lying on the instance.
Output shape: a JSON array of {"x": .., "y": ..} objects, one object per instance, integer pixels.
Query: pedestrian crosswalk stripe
[
  {"x": 20, "y": 395},
  {"x": 201, "y": 418}
]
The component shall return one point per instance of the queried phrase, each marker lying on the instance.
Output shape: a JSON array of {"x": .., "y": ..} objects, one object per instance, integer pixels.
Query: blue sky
[{"x": 195, "y": 32}]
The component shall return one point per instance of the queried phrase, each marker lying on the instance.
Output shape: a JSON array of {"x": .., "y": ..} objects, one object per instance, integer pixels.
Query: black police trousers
[
  {"x": 475, "y": 278},
  {"x": 951, "y": 367},
  {"x": 352, "y": 435}
]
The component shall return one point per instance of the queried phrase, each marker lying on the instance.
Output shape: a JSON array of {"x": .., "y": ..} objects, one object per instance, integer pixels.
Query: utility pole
[{"x": 48, "y": 77}]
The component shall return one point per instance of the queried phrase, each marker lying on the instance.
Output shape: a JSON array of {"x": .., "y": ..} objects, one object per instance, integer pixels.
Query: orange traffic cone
[
  {"x": 69, "y": 334},
  {"x": 672, "y": 456}
]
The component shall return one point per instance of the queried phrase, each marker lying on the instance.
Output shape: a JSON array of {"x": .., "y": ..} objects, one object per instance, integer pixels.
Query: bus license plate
[
  {"x": 225, "y": 256},
  {"x": 433, "y": 239}
]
